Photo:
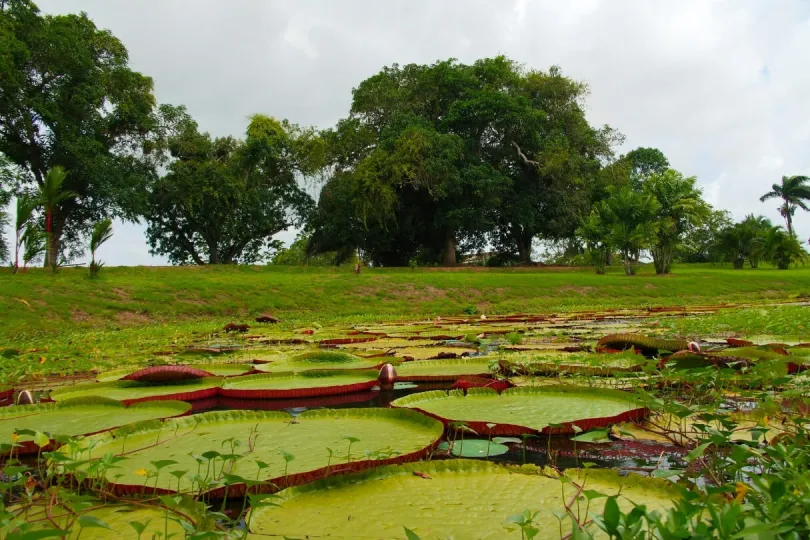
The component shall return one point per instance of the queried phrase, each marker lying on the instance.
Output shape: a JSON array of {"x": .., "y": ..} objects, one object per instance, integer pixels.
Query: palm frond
[{"x": 102, "y": 231}]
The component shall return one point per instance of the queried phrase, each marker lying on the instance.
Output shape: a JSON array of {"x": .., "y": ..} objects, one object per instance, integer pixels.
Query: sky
[{"x": 720, "y": 86}]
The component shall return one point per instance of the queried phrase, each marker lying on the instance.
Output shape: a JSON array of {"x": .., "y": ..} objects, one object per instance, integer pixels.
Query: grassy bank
[{"x": 39, "y": 303}]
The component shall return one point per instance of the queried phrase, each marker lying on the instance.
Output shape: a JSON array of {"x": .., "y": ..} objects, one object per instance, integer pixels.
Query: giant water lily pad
[
  {"x": 303, "y": 384},
  {"x": 134, "y": 391},
  {"x": 581, "y": 363},
  {"x": 218, "y": 370},
  {"x": 79, "y": 416},
  {"x": 546, "y": 409},
  {"x": 443, "y": 370},
  {"x": 318, "y": 360},
  {"x": 444, "y": 499},
  {"x": 273, "y": 439},
  {"x": 30, "y": 521}
]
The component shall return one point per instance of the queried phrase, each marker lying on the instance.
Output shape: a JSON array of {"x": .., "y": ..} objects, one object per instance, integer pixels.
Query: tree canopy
[
  {"x": 223, "y": 199},
  {"x": 436, "y": 159},
  {"x": 68, "y": 98}
]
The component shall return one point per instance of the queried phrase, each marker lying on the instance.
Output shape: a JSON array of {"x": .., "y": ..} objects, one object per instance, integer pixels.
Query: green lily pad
[
  {"x": 474, "y": 448},
  {"x": 522, "y": 410},
  {"x": 333, "y": 360},
  {"x": 444, "y": 499},
  {"x": 220, "y": 370},
  {"x": 449, "y": 370},
  {"x": 132, "y": 391},
  {"x": 378, "y": 435},
  {"x": 584, "y": 363},
  {"x": 303, "y": 384},
  {"x": 118, "y": 516},
  {"x": 81, "y": 416}
]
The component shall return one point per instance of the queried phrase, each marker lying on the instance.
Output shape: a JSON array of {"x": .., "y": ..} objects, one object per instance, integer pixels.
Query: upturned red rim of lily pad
[{"x": 159, "y": 374}]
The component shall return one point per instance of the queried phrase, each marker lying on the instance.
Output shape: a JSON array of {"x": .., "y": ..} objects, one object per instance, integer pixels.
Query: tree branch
[{"x": 523, "y": 156}]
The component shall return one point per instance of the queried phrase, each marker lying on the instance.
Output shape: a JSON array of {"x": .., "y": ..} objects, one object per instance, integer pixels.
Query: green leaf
[
  {"x": 87, "y": 522},
  {"x": 410, "y": 535},
  {"x": 41, "y": 439},
  {"x": 138, "y": 526},
  {"x": 697, "y": 452},
  {"x": 611, "y": 515}
]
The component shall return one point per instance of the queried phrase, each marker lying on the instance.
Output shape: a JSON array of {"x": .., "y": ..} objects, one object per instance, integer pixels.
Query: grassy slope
[{"x": 40, "y": 303}]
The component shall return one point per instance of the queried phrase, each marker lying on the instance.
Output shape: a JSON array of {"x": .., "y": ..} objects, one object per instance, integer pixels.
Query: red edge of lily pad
[
  {"x": 6, "y": 394},
  {"x": 167, "y": 374},
  {"x": 298, "y": 392},
  {"x": 274, "y": 485},
  {"x": 27, "y": 448},
  {"x": 565, "y": 428}
]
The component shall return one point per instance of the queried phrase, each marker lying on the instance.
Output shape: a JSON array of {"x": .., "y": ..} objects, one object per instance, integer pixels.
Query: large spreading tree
[
  {"x": 437, "y": 159},
  {"x": 69, "y": 99},
  {"x": 222, "y": 199}
]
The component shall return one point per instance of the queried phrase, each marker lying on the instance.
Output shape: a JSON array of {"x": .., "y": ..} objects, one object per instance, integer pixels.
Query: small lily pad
[
  {"x": 405, "y": 385},
  {"x": 474, "y": 448}
]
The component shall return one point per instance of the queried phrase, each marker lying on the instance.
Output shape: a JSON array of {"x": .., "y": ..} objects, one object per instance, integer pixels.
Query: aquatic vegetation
[
  {"x": 304, "y": 384},
  {"x": 218, "y": 448},
  {"x": 134, "y": 391},
  {"x": 543, "y": 409},
  {"x": 19, "y": 425},
  {"x": 456, "y": 498}
]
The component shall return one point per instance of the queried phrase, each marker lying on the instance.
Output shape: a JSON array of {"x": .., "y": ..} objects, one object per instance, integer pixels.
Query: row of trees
[{"x": 431, "y": 162}]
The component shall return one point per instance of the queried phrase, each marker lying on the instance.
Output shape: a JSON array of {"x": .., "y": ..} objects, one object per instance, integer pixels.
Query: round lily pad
[
  {"x": 303, "y": 384},
  {"x": 124, "y": 520},
  {"x": 308, "y": 446},
  {"x": 319, "y": 359},
  {"x": 443, "y": 370},
  {"x": 516, "y": 411},
  {"x": 474, "y": 448},
  {"x": 134, "y": 391},
  {"x": 444, "y": 499},
  {"x": 81, "y": 416}
]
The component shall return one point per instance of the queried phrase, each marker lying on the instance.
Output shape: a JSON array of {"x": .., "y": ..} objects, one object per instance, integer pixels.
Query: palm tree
[
  {"x": 35, "y": 242},
  {"x": 783, "y": 249},
  {"x": 51, "y": 195},
  {"x": 680, "y": 207},
  {"x": 25, "y": 210},
  {"x": 793, "y": 191},
  {"x": 102, "y": 231}
]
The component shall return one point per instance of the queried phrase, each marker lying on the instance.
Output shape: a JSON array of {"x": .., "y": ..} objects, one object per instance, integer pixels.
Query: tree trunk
[
  {"x": 16, "y": 254},
  {"x": 213, "y": 258},
  {"x": 662, "y": 259},
  {"x": 449, "y": 258},
  {"x": 628, "y": 264},
  {"x": 524, "y": 245},
  {"x": 54, "y": 243}
]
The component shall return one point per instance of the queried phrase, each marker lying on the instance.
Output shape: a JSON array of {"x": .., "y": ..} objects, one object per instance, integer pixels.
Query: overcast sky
[{"x": 721, "y": 87}]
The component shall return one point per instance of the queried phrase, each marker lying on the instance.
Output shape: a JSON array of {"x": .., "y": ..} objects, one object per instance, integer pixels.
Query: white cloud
[{"x": 718, "y": 85}]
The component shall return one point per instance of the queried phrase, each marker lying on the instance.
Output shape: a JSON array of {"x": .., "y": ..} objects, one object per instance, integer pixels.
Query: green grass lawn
[{"x": 39, "y": 303}]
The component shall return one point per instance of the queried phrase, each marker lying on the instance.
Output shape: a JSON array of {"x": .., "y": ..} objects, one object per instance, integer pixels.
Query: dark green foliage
[
  {"x": 433, "y": 159},
  {"x": 744, "y": 241},
  {"x": 783, "y": 249},
  {"x": 222, "y": 199},
  {"x": 68, "y": 98},
  {"x": 699, "y": 243}
]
